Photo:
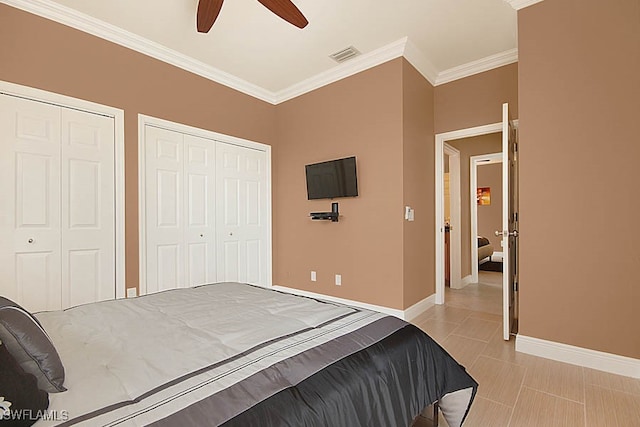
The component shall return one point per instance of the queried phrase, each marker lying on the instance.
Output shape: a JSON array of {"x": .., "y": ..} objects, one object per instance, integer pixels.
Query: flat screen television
[{"x": 332, "y": 179}]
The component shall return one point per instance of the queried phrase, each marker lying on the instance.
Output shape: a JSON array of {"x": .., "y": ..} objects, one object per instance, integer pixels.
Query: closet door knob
[{"x": 30, "y": 240}]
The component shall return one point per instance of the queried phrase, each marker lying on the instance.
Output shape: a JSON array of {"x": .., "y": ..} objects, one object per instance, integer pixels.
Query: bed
[
  {"x": 231, "y": 354},
  {"x": 485, "y": 248}
]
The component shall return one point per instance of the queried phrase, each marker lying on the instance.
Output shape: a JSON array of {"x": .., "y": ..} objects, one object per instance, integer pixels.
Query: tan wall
[
  {"x": 476, "y": 100},
  {"x": 418, "y": 186},
  {"x": 362, "y": 116},
  {"x": 484, "y": 144},
  {"x": 42, "y": 54},
  {"x": 490, "y": 216},
  {"x": 579, "y": 174}
]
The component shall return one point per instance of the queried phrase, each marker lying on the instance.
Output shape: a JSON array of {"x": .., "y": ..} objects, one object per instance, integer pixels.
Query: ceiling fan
[{"x": 208, "y": 11}]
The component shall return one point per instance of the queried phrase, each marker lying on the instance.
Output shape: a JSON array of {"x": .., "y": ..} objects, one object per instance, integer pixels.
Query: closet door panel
[
  {"x": 164, "y": 201},
  {"x": 255, "y": 226},
  {"x": 242, "y": 232},
  {"x": 30, "y": 210},
  {"x": 199, "y": 208},
  {"x": 88, "y": 207}
]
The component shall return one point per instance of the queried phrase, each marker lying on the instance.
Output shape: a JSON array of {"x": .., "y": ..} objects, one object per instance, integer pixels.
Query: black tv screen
[{"x": 335, "y": 178}]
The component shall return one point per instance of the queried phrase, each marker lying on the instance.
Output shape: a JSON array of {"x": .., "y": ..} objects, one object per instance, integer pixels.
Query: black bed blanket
[{"x": 386, "y": 384}]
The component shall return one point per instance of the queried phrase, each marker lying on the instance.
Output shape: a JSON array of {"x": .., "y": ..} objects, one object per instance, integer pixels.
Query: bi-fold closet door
[
  {"x": 57, "y": 216},
  {"x": 206, "y": 211},
  {"x": 180, "y": 192}
]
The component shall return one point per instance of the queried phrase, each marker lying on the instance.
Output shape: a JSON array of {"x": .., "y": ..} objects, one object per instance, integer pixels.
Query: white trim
[
  {"x": 467, "y": 280},
  {"x": 88, "y": 24},
  {"x": 497, "y": 255},
  {"x": 421, "y": 63},
  {"x": 72, "y": 18},
  {"x": 120, "y": 205},
  {"x": 418, "y": 308},
  {"x": 439, "y": 223},
  {"x": 118, "y": 116},
  {"x": 455, "y": 219},
  {"x": 521, "y": 4},
  {"x": 441, "y": 138},
  {"x": 201, "y": 133},
  {"x": 475, "y": 161},
  {"x": 353, "y": 66},
  {"x": 608, "y": 362},
  {"x": 142, "y": 209},
  {"x": 408, "y": 314},
  {"x": 476, "y": 67},
  {"x": 143, "y": 121}
]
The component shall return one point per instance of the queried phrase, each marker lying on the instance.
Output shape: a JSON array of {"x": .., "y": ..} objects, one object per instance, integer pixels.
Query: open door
[{"x": 509, "y": 230}]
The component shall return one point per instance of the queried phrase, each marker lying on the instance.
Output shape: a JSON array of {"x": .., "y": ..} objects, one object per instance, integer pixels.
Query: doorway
[
  {"x": 509, "y": 230},
  {"x": 442, "y": 140},
  {"x": 486, "y": 213},
  {"x": 480, "y": 287}
]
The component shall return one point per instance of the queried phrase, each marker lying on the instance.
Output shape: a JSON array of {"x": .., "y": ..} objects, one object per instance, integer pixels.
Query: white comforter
[{"x": 116, "y": 351}]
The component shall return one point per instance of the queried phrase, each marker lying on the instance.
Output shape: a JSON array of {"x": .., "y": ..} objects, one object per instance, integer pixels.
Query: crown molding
[
  {"x": 353, "y": 66},
  {"x": 420, "y": 62},
  {"x": 521, "y": 4},
  {"x": 403, "y": 47},
  {"x": 88, "y": 24},
  {"x": 479, "y": 66}
]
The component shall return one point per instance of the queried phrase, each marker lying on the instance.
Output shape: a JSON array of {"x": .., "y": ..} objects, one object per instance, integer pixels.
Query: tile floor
[{"x": 517, "y": 389}]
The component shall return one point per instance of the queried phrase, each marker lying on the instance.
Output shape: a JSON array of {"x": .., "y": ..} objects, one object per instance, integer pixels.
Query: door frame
[
  {"x": 455, "y": 223},
  {"x": 476, "y": 161},
  {"x": 440, "y": 140},
  {"x": 117, "y": 114},
  {"x": 143, "y": 121}
]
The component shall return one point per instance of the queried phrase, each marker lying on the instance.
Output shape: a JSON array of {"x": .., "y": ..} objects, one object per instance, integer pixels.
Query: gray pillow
[{"x": 31, "y": 347}]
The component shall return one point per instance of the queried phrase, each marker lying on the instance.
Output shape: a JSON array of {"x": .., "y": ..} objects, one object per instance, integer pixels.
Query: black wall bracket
[{"x": 329, "y": 216}]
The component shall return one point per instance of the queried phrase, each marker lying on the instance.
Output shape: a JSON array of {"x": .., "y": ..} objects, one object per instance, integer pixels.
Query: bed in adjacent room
[
  {"x": 231, "y": 354},
  {"x": 485, "y": 248}
]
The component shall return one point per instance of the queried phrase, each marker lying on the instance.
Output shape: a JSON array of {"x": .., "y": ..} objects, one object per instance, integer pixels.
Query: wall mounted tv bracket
[{"x": 332, "y": 216}]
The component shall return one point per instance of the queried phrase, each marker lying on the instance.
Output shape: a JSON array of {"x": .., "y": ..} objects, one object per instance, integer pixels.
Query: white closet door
[
  {"x": 88, "y": 208},
  {"x": 30, "y": 209},
  {"x": 57, "y": 216},
  {"x": 164, "y": 209},
  {"x": 179, "y": 198},
  {"x": 199, "y": 208},
  {"x": 240, "y": 218}
]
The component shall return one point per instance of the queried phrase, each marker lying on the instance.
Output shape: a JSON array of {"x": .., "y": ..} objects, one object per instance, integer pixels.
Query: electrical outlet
[
  {"x": 338, "y": 280},
  {"x": 313, "y": 276},
  {"x": 132, "y": 292}
]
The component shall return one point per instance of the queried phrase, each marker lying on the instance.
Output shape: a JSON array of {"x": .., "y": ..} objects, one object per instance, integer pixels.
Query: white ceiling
[{"x": 252, "y": 44}]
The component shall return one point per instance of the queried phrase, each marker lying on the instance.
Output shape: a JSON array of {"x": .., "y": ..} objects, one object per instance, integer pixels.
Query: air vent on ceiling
[{"x": 345, "y": 54}]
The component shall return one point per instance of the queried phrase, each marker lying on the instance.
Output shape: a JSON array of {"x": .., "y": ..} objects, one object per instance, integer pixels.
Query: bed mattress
[{"x": 235, "y": 355}]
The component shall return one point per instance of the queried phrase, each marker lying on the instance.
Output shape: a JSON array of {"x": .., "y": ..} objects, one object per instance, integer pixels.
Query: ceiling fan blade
[
  {"x": 208, "y": 11},
  {"x": 286, "y": 10}
]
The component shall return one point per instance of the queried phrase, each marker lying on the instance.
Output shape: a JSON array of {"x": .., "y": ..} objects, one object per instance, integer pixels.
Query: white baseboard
[
  {"x": 497, "y": 256},
  {"x": 593, "y": 359},
  {"x": 408, "y": 314},
  {"x": 467, "y": 280},
  {"x": 418, "y": 308}
]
